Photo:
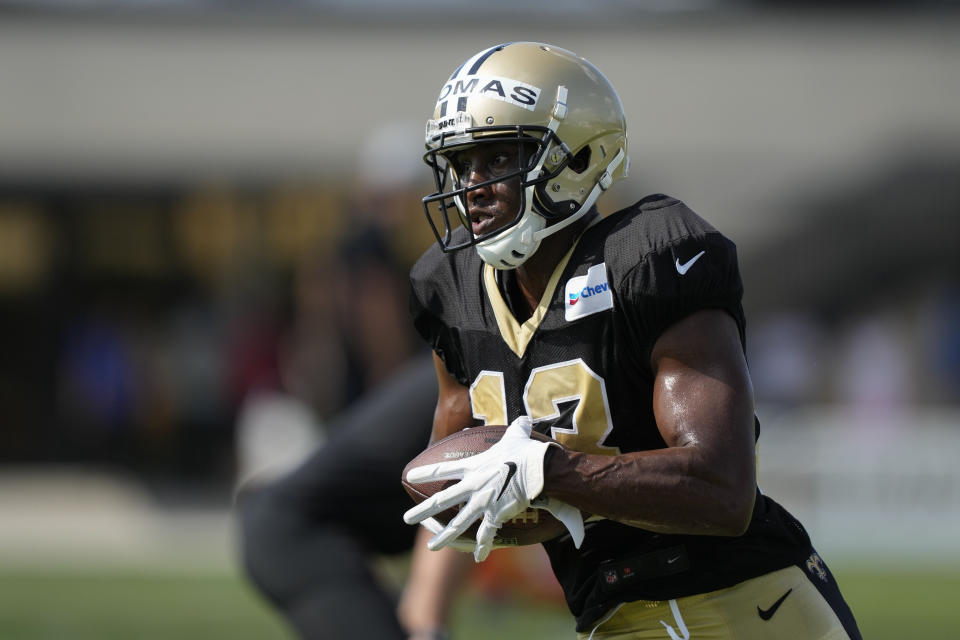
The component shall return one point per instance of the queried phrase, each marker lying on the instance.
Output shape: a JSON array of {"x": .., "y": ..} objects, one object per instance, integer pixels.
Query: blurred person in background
[
  {"x": 622, "y": 337},
  {"x": 314, "y": 524},
  {"x": 310, "y": 538}
]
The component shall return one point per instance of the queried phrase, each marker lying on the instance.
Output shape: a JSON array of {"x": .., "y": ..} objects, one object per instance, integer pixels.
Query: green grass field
[{"x": 104, "y": 605}]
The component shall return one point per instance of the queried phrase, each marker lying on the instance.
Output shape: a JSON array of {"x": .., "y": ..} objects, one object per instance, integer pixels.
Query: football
[{"x": 530, "y": 527}]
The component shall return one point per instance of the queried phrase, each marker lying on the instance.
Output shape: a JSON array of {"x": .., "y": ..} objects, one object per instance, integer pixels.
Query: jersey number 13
[{"x": 546, "y": 388}]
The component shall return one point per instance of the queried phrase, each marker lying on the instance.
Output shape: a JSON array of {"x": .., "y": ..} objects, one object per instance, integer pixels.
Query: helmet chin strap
[
  {"x": 520, "y": 241},
  {"x": 603, "y": 183}
]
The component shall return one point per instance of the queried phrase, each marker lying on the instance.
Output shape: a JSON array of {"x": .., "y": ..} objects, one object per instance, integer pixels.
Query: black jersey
[{"x": 580, "y": 368}]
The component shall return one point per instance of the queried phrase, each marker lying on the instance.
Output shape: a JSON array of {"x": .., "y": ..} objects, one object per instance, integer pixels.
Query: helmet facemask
[{"x": 537, "y": 146}]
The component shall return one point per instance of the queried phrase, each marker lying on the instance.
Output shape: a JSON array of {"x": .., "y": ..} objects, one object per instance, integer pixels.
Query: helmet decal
[
  {"x": 474, "y": 63},
  {"x": 460, "y": 87},
  {"x": 515, "y": 92}
]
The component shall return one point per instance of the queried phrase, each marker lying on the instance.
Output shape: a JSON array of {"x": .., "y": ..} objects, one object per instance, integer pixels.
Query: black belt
[{"x": 621, "y": 573}]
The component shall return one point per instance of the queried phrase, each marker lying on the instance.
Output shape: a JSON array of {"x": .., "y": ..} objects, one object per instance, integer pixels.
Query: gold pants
[{"x": 782, "y": 605}]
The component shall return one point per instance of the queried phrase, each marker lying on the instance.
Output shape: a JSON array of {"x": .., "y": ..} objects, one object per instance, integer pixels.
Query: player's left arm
[{"x": 704, "y": 482}]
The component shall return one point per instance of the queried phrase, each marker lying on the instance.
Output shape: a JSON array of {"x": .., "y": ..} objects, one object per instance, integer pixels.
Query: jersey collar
[{"x": 517, "y": 336}]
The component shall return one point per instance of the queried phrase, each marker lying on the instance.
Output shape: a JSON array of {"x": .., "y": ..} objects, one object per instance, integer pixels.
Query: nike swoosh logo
[
  {"x": 766, "y": 614},
  {"x": 683, "y": 268},
  {"x": 673, "y": 559},
  {"x": 511, "y": 471}
]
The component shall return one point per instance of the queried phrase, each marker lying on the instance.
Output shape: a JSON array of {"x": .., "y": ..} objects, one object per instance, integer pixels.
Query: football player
[{"x": 622, "y": 337}]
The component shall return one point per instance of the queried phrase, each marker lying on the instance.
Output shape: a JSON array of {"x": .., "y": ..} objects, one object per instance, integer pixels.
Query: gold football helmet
[{"x": 562, "y": 111}]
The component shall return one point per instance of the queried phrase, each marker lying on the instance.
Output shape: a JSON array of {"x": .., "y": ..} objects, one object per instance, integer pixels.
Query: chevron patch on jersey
[{"x": 589, "y": 294}]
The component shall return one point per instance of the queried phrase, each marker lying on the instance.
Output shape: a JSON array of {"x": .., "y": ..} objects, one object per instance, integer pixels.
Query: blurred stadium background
[{"x": 206, "y": 213}]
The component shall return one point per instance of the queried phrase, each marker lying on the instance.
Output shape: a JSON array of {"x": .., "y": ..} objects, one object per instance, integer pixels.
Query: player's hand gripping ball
[{"x": 495, "y": 474}]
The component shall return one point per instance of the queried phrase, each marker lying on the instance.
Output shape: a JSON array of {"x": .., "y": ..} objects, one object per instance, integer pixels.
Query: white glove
[
  {"x": 466, "y": 545},
  {"x": 486, "y": 534},
  {"x": 569, "y": 516},
  {"x": 497, "y": 484}
]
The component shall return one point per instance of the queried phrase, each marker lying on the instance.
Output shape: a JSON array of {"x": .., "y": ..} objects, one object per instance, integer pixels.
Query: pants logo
[{"x": 815, "y": 566}]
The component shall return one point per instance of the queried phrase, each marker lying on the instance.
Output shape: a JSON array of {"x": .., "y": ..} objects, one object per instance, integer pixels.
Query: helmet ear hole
[{"x": 581, "y": 161}]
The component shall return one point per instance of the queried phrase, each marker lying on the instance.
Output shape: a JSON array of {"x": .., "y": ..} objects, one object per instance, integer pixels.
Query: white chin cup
[{"x": 511, "y": 248}]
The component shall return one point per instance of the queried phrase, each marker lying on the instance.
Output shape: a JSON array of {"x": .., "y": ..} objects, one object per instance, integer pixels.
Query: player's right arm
[
  {"x": 434, "y": 575},
  {"x": 453, "y": 411}
]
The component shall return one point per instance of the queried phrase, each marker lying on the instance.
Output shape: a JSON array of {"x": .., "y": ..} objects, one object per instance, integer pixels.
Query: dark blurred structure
[
  {"x": 860, "y": 305},
  {"x": 137, "y": 320}
]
